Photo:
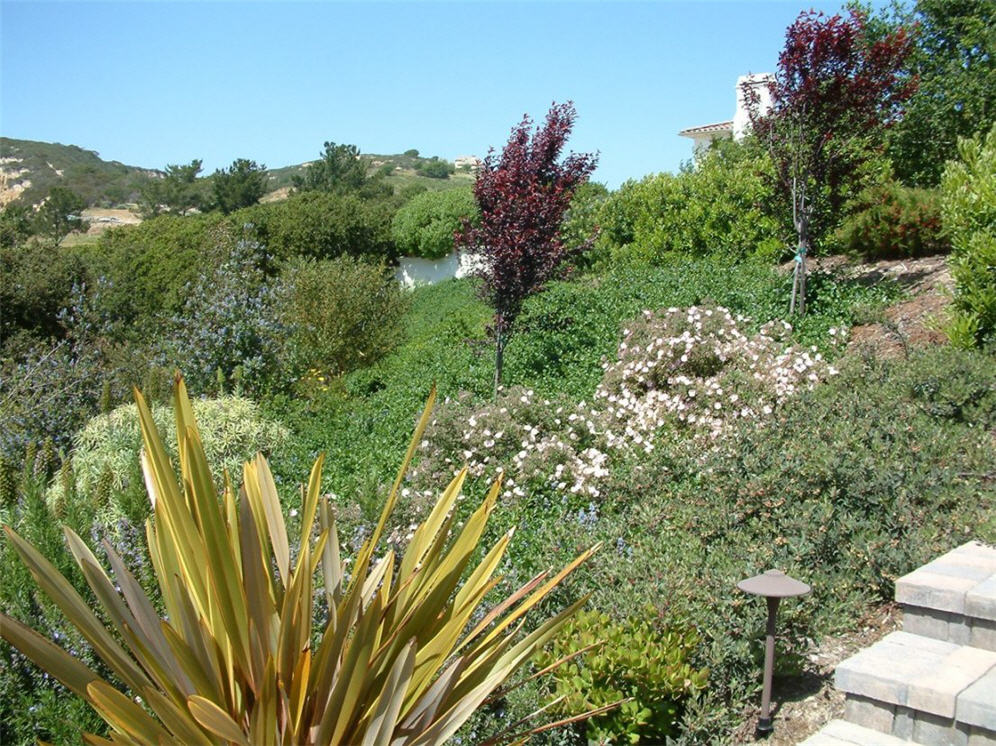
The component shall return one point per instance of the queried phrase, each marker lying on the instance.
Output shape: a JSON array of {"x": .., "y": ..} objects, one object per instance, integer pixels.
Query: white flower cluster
[
  {"x": 535, "y": 439},
  {"x": 689, "y": 368},
  {"x": 697, "y": 366}
]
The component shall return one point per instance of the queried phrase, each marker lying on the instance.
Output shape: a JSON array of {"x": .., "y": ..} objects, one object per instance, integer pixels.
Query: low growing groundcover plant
[{"x": 408, "y": 653}]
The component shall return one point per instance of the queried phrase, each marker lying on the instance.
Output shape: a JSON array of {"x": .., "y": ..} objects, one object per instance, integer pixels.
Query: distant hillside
[
  {"x": 400, "y": 170},
  {"x": 29, "y": 169}
]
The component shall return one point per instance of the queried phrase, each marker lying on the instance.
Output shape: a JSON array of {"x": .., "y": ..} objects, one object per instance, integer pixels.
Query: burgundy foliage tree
[
  {"x": 522, "y": 196},
  {"x": 835, "y": 93}
]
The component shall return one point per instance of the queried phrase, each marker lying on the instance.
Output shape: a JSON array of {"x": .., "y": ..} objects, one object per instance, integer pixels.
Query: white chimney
[{"x": 758, "y": 83}]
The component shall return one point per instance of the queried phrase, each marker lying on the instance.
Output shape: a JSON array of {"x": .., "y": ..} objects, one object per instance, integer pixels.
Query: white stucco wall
[
  {"x": 702, "y": 141},
  {"x": 759, "y": 83},
  {"x": 414, "y": 270}
]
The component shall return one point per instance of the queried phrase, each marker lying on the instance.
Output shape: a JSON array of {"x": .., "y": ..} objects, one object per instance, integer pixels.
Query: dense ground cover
[
  {"x": 847, "y": 483},
  {"x": 565, "y": 335},
  {"x": 862, "y": 470}
]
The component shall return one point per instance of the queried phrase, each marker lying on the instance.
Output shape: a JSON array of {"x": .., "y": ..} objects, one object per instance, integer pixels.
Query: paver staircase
[{"x": 933, "y": 683}]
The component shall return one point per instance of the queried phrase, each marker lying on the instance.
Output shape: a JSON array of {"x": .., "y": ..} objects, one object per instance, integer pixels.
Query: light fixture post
[{"x": 773, "y": 585}]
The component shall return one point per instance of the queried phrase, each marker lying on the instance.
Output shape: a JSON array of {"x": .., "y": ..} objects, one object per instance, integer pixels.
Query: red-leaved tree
[
  {"x": 836, "y": 91},
  {"x": 522, "y": 196}
]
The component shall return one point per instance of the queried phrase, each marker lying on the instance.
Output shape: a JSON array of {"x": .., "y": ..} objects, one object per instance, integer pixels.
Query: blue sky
[{"x": 150, "y": 83}]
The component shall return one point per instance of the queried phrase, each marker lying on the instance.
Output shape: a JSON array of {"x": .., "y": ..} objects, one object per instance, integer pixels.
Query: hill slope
[
  {"x": 400, "y": 170},
  {"x": 29, "y": 169}
]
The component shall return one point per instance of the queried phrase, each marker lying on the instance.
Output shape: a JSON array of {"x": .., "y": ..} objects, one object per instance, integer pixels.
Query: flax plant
[{"x": 403, "y": 659}]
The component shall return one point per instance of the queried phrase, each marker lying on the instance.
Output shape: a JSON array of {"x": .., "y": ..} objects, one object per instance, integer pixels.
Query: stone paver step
[
  {"x": 920, "y": 673},
  {"x": 977, "y": 704},
  {"x": 843, "y": 733},
  {"x": 953, "y": 598},
  {"x": 934, "y": 683},
  {"x": 963, "y": 581}
]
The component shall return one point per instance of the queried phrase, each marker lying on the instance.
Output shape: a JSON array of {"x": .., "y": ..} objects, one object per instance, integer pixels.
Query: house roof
[{"x": 707, "y": 129}]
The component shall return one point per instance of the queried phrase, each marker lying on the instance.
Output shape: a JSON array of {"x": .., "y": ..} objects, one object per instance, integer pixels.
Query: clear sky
[{"x": 151, "y": 83}]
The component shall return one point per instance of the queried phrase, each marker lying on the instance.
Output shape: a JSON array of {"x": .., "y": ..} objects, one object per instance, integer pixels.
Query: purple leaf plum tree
[
  {"x": 836, "y": 91},
  {"x": 523, "y": 195}
]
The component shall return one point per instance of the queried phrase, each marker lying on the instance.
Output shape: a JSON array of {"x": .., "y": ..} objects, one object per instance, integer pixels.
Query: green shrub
[
  {"x": 38, "y": 282},
  {"x": 336, "y": 315},
  {"x": 323, "y": 225},
  {"x": 147, "y": 268},
  {"x": 361, "y": 429},
  {"x": 722, "y": 204},
  {"x": 891, "y": 221},
  {"x": 968, "y": 203},
  {"x": 33, "y": 705},
  {"x": 232, "y": 428},
  {"x": 435, "y": 168},
  {"x": 425, "y": 226},
  {"x": 634, "y": 660},
  {"x": 15, "y": 225},
  {"x": 565, "y": 331},
  {"x": 582, "y": 223},
  {"x": 60, "y": 214}
]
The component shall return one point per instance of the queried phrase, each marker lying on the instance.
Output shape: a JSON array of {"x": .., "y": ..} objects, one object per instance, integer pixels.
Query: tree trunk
[
  {"x": 803, "y": 253},
  {"x": 802, "y": 257},
  {"x": 500, "y": 339},
  {"x": 800, "y": 215}
]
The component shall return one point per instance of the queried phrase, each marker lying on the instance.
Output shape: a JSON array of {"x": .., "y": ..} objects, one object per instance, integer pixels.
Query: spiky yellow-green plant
[{"x": 403, "y": 659}]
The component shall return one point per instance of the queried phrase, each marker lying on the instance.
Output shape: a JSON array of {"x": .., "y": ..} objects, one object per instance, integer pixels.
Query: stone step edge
[
  {"x": 962, "y": 581},
  {"x": 950, "y": 626},
  {"x": 918, "y": 726},
  {"x": 920, "y": 673},
  {"x": 844, "y": 733}
]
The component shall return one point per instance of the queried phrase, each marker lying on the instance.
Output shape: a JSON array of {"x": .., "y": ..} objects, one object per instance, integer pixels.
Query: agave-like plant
[{"x": 402, "y": 660}]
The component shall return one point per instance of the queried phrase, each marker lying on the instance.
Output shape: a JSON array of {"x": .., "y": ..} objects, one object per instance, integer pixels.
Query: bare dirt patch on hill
[
  {"x": 277, "y": 195},
  {"x": 101, "y": 219},
  {"x": 914, "y": 321}
]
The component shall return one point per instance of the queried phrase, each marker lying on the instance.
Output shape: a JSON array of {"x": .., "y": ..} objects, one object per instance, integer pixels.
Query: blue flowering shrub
[
  {"x": 50, "y": 387},
  {"x": 224, "y": 335}
]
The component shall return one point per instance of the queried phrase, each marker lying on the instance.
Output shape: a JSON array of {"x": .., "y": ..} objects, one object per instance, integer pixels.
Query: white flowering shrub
[
  {"x": 538, "y": 442},
  {"x": 696, "y": 368},
  {"x": 690, "y": 371}
]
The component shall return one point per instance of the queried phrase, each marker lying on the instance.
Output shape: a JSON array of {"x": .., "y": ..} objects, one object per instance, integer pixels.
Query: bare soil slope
[{"x": 917, "y": 320}]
